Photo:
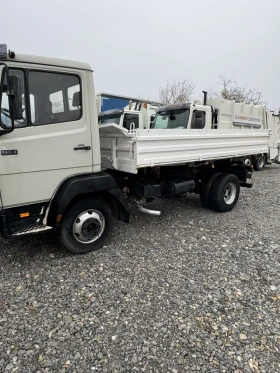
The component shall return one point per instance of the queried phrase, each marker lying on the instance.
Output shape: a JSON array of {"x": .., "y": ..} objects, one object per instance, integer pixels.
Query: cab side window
[
  {"x": 198, "y": 119},
  {"x": 54, "y": 97}
]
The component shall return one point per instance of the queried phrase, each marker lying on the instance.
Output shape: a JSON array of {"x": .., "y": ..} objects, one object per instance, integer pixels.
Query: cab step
[{"x": 36, "y": 228}]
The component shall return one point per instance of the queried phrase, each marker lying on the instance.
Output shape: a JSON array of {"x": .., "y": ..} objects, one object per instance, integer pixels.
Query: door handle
[{"x": 82, "y": 147}]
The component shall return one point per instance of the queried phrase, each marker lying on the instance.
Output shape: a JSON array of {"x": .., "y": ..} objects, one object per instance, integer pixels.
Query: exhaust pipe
[
  {"x": 204, "y": 97},
  {"x": 148, "y": 211}
]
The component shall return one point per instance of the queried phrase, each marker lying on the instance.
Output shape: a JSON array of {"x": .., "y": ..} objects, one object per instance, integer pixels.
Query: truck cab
[
  {"x": 184, "y": 116},
  {"x": 135, "y": 115},
  {"x": 50, "y": 158}
]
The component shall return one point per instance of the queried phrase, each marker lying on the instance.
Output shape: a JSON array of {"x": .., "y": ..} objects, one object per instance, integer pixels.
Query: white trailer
[{"x": 50, "y": 162}]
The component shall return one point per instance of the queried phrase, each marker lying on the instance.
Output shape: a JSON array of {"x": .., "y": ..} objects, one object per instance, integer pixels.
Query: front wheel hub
[{"x": 88, "y": 226}]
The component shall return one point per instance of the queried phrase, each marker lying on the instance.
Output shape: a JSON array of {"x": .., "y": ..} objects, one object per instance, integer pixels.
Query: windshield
[
  {"x": 113, "y": 118},
  {"x": 171, "y": 119}
]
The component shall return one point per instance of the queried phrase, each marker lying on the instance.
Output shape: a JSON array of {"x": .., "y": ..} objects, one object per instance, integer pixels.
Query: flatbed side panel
[
  {"x": 156, "y": 147},
  {"x": 159, "y": 147}
]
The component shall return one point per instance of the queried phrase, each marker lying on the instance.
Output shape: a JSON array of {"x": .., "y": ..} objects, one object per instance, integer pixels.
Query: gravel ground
[{"x": 190, "y": 291}]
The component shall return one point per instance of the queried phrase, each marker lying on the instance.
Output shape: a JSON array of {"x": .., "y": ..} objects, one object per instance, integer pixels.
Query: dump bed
[{"x": 129, "y": 151}]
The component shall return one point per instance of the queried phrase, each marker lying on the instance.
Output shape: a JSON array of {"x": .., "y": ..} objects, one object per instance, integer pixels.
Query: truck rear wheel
[
  {"x": 86, "y": 226},
  {"x": 259, "y": 162},
  {"x": 205, "y": 190},
  {"x": 225, "y": 192}
]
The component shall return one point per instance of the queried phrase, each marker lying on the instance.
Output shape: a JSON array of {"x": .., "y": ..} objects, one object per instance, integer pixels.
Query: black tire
[
  {"x": 220, "y": 188},
  {"x": 205, "y": 190},
  {"x": 95, "y": 209},
  {"x": 259, "y": 162}
]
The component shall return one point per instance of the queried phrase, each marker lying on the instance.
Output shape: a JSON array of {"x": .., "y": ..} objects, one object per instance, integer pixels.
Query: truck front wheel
[
  {"x": 86, "y": 226},
  {"x": 225, "y": 192}
]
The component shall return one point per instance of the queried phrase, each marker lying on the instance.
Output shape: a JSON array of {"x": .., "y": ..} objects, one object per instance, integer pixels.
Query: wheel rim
[
  {"x": 260, "y": 161},
  {"x": 230, "y": 193},
  {"x": 247, "y": 162},
  {"x": 88, "y": 226}
]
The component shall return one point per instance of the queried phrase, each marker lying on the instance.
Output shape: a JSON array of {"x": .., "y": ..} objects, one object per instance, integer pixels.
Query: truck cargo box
[{"x": 129, "y": 151}]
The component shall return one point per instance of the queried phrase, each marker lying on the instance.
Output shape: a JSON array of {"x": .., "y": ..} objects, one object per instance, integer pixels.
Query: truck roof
[
  {"x": 134, "y": 99},
  {"x": 170, "y": 107},
  {"x": 48, "y": 61}
]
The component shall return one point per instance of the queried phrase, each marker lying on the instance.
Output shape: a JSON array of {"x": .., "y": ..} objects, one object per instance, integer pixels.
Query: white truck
[
  {"x": 50, "y": 161},
  {"x": 134, "y": 115}
]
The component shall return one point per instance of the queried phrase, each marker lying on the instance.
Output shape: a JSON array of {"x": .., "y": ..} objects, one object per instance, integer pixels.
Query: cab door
[{"x": 53, "y": 140}]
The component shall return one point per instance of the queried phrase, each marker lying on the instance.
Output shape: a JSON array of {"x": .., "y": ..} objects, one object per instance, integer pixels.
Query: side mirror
[
  {"x": 152, "y": 118},
  {"x": 16, "y": 95}
]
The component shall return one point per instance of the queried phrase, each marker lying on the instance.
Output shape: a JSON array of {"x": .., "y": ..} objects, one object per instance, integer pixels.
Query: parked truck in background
[
  {"x": 272, "y": 123},
  {"x": 134, "y": 115},
  {"x": 249, "y": 116},
  {"x": 52, "y": 175}
]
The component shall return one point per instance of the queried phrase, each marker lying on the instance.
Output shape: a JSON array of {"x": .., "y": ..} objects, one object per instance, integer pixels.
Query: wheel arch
[
  {"x": 265, "y": 155},
  {"x": 79, "y": 187}
]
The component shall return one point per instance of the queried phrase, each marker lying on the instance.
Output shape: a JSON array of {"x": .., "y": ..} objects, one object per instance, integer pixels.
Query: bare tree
[
  {"x": 231, "y": 90},
  {"x": 177, "y": 91}
]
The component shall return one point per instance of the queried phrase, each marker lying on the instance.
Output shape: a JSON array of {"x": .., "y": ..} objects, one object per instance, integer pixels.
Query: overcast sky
[{"x": 134, "y": 47}]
